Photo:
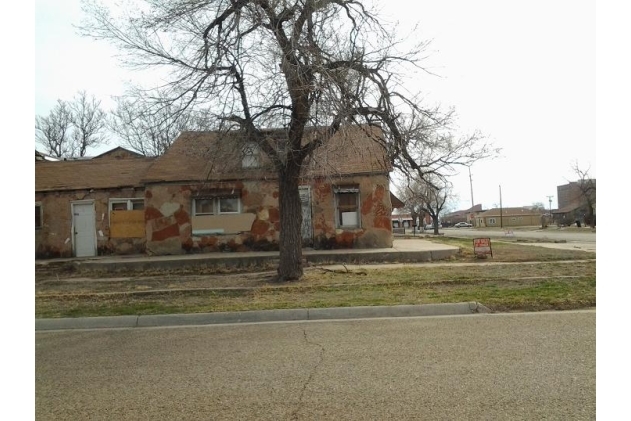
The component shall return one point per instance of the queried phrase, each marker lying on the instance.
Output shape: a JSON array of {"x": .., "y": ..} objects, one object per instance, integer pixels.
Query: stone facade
[
  {"x": 203, "y": 195},
  {"x": 54, "y": 237},
  {"x": 171, "y": 222}
]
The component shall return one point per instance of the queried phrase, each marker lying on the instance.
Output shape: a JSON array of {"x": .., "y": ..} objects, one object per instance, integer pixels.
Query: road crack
[{"x": 294, "y": 414}]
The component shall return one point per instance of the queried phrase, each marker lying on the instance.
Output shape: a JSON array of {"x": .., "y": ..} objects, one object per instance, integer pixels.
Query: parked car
[
  {"x": 431, "y": 226},
  {"x": 463, "y": 225}
]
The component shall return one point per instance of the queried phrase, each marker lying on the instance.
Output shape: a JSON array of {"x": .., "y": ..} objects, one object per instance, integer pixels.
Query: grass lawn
[{"x": 558, "y": 279}]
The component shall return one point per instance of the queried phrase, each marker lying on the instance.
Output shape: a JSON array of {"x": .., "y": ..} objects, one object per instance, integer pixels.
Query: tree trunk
[{"x": 290, "y": 265}]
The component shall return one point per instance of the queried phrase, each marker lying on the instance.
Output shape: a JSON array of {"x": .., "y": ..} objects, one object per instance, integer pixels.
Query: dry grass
[{"x": 540, "y": 286}]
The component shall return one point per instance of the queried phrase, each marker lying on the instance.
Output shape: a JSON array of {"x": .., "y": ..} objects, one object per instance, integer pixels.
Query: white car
[{"x": 463, "y": 225}]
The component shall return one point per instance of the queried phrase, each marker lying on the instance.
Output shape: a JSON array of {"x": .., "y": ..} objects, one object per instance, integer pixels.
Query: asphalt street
[{"x": 484, "y": 366}]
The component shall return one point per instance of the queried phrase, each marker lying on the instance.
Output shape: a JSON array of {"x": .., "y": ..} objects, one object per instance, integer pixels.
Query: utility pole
[
  {"x": 471, "y": 183},
  {"x": 501, "y": 219},
  {"x": 550, "y": 202}
]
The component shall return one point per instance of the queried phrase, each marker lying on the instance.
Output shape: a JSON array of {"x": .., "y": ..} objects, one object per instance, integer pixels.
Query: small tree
[
  {"x": 587, "y": 187},
  {"x": 427, "y": 198},
  {"x": 89, "y": 124},
  {"x": 72, "y": 127},
  {"x": 53, "y": 131},
  {"x": 150, "y": 129},
  {"x": 413, "y": 205}
]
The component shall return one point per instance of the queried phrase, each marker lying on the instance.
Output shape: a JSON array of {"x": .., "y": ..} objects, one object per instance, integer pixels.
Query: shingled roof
[
  {"x": 510, "y": 212},
  {"x": 195, "y": 156},
  {"x": 90, "y": 174}
]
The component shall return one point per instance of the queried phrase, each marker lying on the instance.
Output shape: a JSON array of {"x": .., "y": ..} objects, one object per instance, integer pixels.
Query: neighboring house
[
  {"x": 119, "y": 153},
  {"x": 89, "y": 207},
  {"x": 509, "y": 217},
  {"x": 402, "y": 220},
  {"x": 43, "y": 157},
  {"x": 206, "y": 195},
  {"x": 467, "y": 215},
  {"x": 572, "y": 204}
]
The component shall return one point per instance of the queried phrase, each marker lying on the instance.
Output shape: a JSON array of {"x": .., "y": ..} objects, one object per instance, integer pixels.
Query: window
[
  {"x": 203, "y": 207},
  {"x": 127, "y": 204},
  {"x": 38, "y": 216},
  {"x": 251, "y": 156},
  {"x": 491, "y": 221},
  {"x": 347, "y": 207},
  {"x": 219, "y": 205}
]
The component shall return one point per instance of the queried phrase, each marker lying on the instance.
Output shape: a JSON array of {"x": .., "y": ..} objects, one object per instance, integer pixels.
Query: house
[
  {"x": 118, "y": 153},
  {"x": 572, "y": 203},
  {"x": 89, "y": 207},
  {"x": 204, "y": 194},
  {"x": 509, "y": 217},
  {"x": 467, "y": 215},
  {"x": 43, "y": 157}
]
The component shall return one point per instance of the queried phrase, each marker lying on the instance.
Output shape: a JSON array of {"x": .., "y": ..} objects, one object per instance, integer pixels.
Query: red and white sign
[{"x": 482, "y": 246}]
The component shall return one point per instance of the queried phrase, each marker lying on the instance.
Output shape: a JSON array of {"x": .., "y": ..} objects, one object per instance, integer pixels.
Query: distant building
[
  {"x": 509, "y": 217},
  {"x": 467, "y": 215},
  {"x": 573, "y": 203}
]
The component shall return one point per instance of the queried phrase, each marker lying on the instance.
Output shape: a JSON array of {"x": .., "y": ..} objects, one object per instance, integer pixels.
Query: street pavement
[{"x": 483, "y": 366}]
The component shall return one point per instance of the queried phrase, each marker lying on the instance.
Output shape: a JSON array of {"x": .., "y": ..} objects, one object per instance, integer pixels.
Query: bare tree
[
  {"x": 148, "y": 129},
  {"x": 413, "y": 205},
  {"x": 587, "y": 187},
  {"x": 89, "y": 124},
  {"x": 305, "y": 65},
  {"x": 427, "y": 148},
  {"x": 428, "y": 197},
  {"x": 72, "y": 127},
  {"x": 53, "y": 132}
]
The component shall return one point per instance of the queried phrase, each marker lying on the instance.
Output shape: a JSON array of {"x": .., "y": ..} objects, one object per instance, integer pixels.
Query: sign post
[{"x": 482, "y": 247}]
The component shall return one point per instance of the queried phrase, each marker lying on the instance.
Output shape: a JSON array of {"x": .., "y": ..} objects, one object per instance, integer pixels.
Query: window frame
[
  {"x": 338, "y": 214},
  {"x": 128, "y": 201},
  {"x": 216, "y": 201},
  {"x": 492, "y": 221}
]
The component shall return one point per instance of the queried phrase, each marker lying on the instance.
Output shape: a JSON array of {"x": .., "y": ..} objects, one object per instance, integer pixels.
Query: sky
[{"x": 522, "y": 73}]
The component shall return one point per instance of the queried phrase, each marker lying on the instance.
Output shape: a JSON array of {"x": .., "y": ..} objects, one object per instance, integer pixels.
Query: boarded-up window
[
  {"x": 127, "y": 218},
  {"x": 127, "y": 224}
]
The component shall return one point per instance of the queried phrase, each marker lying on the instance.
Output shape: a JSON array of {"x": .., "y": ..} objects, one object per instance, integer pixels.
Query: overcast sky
[{"x": 523, "y": 73}]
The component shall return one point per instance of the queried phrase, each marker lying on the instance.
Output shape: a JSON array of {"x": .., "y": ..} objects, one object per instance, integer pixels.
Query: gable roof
[
  {"x": 119, "y": 153},
  {"x": 196, "y": 156},
  {"x": 459, "y": 213},
  {"x": 509, "y": 212},
  {"x": 396, "y": 202},
  {"x": 90, "y": 174}
]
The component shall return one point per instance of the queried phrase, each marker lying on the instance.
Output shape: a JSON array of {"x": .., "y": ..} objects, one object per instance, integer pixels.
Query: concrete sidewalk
[
  {"x": 261, "y": 316},
  {"x": 403, "y": 251}
]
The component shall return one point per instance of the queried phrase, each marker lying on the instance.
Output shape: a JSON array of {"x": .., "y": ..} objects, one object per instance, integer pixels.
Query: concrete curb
[{"x": 283, "y": 315}]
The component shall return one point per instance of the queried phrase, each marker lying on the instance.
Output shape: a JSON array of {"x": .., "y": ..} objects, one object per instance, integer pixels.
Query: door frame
[
  {"x": 72, "y": 227},
  {"x": 307, "y": 187}
]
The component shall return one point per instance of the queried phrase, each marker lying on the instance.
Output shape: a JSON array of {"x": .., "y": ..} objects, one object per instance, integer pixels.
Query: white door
[
  {"x": 83, "y": 224},
  {"x": 306, "y": 229}
]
